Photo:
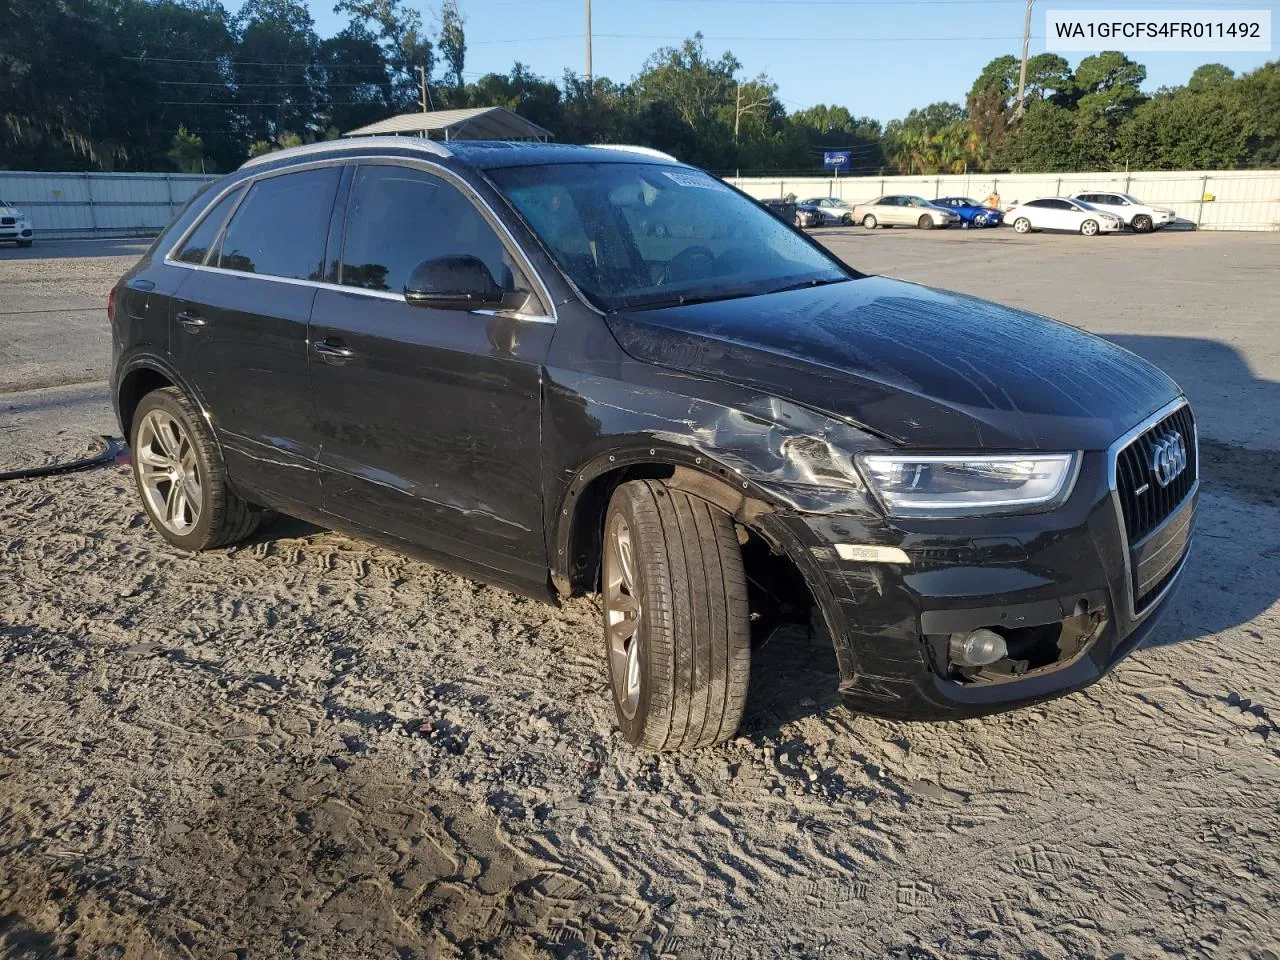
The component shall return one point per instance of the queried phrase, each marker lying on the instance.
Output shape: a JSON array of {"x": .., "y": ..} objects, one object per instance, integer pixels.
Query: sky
[{"x": 879, "y": 58}]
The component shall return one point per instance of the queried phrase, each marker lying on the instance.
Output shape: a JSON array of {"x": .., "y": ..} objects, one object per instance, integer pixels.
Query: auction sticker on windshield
[
  {"x": 1143, "y": 30},
  {"x": 693, "y": 180}
]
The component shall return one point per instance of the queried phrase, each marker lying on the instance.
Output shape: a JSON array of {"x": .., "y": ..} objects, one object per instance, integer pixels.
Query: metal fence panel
[
  {"x": 1207, "y": 200},
  {"x": 86, "y": 205}
]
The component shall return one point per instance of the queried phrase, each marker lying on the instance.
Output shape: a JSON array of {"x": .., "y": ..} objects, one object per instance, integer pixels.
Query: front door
[
  {"x": 429, "y": 418},
  {"x": 238, "y": 333}
]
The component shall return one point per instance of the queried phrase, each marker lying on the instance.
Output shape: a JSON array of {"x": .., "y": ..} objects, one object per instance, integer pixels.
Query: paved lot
[{"x": 307, "y": 747}]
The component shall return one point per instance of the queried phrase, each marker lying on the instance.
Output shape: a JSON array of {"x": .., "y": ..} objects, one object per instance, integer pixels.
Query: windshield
[{"x": 634, "y": 235}]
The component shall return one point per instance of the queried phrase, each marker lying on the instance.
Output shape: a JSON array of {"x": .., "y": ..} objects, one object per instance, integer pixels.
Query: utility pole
[
  {"x": 737, "y": 108},
  {"x": 1022, "y": 71},
  {"x": 590, "y": 86},
  {"x": 424, "y": 91}
]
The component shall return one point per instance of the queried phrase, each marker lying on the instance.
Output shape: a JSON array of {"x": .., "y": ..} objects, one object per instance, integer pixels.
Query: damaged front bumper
[{"x": 1055, "y": 586}]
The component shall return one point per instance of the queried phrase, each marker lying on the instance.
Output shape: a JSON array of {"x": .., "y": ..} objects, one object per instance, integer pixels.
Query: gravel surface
[{"x": 305, "y": 746}]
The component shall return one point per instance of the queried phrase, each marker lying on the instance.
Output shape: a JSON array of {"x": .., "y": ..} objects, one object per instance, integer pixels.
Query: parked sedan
[
  {"x": 830, "y": 210},
  {"x": 15, "y": 225},
  {"x": 903, "y": 211},
  {"x": 1057, "y": 213},
  {"x": 971, "y": 212},
  {"x": 1136, "y": 215}
]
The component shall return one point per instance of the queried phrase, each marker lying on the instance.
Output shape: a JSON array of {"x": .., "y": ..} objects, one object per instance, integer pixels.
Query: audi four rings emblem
[{"x": 1169, "y": 458}]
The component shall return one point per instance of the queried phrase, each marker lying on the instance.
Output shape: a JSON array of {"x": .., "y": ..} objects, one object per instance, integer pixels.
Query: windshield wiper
[
  {"x": 812, "y": 282},
  {"x": 682, "y": 300}
]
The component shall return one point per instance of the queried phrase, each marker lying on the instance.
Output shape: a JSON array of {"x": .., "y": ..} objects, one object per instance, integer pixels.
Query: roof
[
  {"x": 477, "y": 123},
  {"x": 480, "y": 154}
]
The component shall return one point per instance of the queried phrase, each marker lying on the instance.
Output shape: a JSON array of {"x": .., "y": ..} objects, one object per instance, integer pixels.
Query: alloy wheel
[
  {"x": 169, "y": 472},
  {"x": 1089, "y": 228},
  {"x": 622, "y": 615}
]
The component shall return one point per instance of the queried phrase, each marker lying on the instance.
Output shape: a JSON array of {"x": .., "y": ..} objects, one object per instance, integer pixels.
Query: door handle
[
  {"x": 333, "y": 353},
  {"x": 192, "y": 322}
]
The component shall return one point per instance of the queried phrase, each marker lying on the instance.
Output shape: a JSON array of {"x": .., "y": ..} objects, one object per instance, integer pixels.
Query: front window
[
  {"x": 634, "y": 235},
  {"x": 917, "y": 201}
]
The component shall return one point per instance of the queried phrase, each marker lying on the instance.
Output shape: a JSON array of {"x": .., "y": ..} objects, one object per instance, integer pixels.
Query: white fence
[
  {"x": 80, "y": 205},
  {"x": 1208, "y": 200}
]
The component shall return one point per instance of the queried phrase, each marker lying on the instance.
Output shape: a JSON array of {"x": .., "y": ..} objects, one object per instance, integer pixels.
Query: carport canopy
[{"x": 477, "y": 123}]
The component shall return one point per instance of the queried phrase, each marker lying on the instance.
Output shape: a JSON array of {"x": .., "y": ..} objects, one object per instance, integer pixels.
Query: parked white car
[
  {"x": 831, "y": 210},
  {"x": 1133, "y": 213},
  {"x": 15, "y": 226},
  {"x": 1058, "y": 213}
]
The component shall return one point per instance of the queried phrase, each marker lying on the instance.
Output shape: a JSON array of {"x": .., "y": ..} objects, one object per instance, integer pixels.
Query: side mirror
[{"x": 452, "y": 283}]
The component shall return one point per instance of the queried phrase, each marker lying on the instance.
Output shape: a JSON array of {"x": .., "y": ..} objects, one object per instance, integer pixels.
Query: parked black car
[{"x": 470, "y": 350}]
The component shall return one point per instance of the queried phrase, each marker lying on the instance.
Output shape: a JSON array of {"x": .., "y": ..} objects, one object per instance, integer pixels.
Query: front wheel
[
  {"x": 676, "y": 622},
  {"x": 181, "y": 478},
  {"x": 869, "y": 222},
  {"x": 1089, "y": 228},
  {"x": 925, "y": 222},
  {"x": 1142, "y": 224},
  {"x": 1022, "y": 225},
  {"x": 846, "y": 220}
]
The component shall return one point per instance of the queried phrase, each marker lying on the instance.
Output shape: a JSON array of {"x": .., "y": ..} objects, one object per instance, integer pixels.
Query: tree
[
  {"x": 1210, "y": 76},
  {"x": 1186, "y": 128},
  {"x": 453, "y": 42},
  {"x": 1261, "y": 91},
  {"x": 402, "y": 38},
  {"x": 187, "y": 152}
]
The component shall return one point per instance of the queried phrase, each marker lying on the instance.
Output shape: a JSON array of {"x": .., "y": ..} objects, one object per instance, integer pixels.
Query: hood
[
  {"x": 922, "y": 367},
  {"x": 9, "y": 211}
]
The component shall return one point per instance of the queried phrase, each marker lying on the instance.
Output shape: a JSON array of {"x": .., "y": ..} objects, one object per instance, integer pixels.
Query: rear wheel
[
  {"x": 676, "y": 623},
  {"x": 925, "y": 222},
  {"x": 1142, "y": 223},
  {"x": 181, "y": 478},
  {"x": 869, "y": 222},
  {"x": 1089, "y": 228},
  {"x": 1022, "y": 225}
]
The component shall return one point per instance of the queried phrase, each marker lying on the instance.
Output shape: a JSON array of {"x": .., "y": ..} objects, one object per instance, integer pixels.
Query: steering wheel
[{"x": 682, "y": 265}]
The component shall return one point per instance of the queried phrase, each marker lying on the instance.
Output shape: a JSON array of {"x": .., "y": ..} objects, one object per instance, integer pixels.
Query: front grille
[
  {"x": 1157, "y": 520},
  {"x": 1143, "y": 501},
  {"x": 8, "y": 221}
]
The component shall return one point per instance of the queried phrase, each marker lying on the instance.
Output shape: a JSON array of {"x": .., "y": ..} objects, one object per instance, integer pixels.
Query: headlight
[{"x": 967, "y": 486}]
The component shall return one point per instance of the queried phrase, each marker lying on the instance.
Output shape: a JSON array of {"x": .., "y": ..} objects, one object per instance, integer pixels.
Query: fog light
[{"x": 979, "y": 648}]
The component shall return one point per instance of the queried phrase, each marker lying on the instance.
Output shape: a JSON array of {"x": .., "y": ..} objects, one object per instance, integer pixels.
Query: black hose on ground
[{"x": 110, "y": 450}]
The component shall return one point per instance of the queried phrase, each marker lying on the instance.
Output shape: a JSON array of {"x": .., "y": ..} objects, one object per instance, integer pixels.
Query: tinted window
[
  {"x": 397, "y": 217},
  {"x": 204, "y": 235},
  {"x": 281, "y": 227}
]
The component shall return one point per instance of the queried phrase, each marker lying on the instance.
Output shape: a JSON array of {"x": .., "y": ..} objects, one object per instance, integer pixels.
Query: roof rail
[
  {"x": 355, "y": 143},
  {"x": 630, "y": 148}
]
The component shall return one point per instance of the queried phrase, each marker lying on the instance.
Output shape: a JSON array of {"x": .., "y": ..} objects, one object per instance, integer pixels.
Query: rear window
[
  {"x": 202, "y": 238},
  {"x": 281, "y": 228}
]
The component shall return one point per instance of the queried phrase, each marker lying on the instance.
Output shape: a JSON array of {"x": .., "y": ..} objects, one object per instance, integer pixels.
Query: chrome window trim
[
  {"x": 1113, "y": 456},
  {"x": 490, "y": 215}
]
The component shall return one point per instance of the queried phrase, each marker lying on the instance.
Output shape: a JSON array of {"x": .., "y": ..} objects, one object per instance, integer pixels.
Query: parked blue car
[{"x": 971, "y": 212}]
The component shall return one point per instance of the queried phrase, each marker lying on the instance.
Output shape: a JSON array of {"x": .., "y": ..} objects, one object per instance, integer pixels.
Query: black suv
[{"x": 488, "y": 353}]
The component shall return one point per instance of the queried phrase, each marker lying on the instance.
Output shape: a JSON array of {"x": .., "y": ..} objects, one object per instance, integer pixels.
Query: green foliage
[
  {"x": 187, "y": 152},
  {"x": 165, "y": 84}
]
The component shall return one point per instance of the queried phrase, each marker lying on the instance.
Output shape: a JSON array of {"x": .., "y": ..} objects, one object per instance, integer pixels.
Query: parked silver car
[
  {"x": 902, "y": 210},
  {"x": 831, "y": 210}
]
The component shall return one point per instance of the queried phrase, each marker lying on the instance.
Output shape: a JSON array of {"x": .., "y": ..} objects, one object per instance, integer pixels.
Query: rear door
[
  {"x": 430, "y": 419},
  {"x": 239, "y": 332}
]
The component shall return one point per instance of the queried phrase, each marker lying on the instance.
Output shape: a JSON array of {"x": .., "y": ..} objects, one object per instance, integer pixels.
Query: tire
[
  {"x": 1142, "y": 224},
  {"x": 846, "y": 220},
  {"x": 205, "y": 512},
  {"x": 1022, "y": 225},
  {"x": 799, "y": 222},
  {"x": 925, "y": 222},
  {"x": 679, "y": 676},
  {"x": 869, "y": 221},
  {"x": 1089, "y": 228}
]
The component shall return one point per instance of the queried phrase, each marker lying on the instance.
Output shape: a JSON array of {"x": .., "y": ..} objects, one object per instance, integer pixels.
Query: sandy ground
[{"x": 307, "y": 747}]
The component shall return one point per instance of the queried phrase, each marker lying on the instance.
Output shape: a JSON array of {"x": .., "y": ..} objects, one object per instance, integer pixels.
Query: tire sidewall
[
  {"x": 1022, "y": 225},
  {"x": 925, "y": 222},
  {"x": 1084, "y": 228},
  {"x": 632, "y": 728},
  {"x": 200, "y": 532},
  {"x": 869, "y": 221}
]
